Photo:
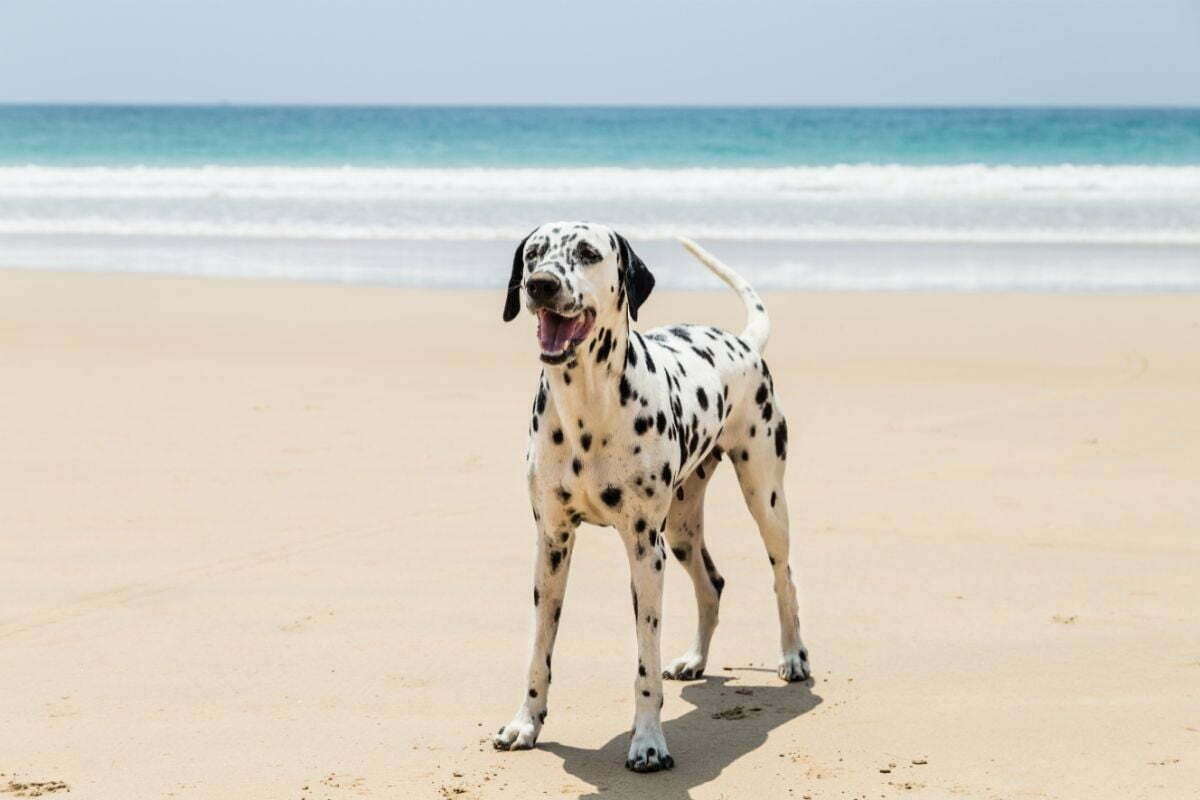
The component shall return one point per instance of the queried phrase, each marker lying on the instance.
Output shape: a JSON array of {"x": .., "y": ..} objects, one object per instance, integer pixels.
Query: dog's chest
[
  {"x": 609, "y": 487},
  {"x": 596, "y": 474}
]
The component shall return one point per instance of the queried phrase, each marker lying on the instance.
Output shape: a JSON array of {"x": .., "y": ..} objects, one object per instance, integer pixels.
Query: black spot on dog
[
  {"x": 717, "y": 581},
  {"x": 760, "y": 396},
  {"x": 536, "y": 596},
  {"x": 702, "y": 398},
  {"x": 605, "y": 347},
  {"x": 666, "y": 474},
  {"x": 772, "y": 499},
  {"x": 781, "y": 436},
  {"x": 641, "y": 424},
  {"x": 640, "y": 526},
  {"x": 682, "y": 334},
  {"x": 680, "y": 553},
  {"x": 611, "y": 496},
  {"x": 557, "y": 436},
  {"x": 533, "y": 692},
  {"x": 585, "y": 442},
  {"x": 576, "y": 466},
  {"x": 661, "y": 422}
]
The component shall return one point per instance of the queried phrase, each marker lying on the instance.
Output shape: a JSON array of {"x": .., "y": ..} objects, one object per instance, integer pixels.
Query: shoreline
[{"x": 820, "y": 266}]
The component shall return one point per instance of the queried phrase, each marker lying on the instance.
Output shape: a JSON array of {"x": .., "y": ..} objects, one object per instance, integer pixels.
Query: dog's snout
[{"x": 542, "y": 287}]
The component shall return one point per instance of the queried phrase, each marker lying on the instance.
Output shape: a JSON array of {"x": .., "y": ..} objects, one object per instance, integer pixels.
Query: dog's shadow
[{"x": 727, "y": 722}]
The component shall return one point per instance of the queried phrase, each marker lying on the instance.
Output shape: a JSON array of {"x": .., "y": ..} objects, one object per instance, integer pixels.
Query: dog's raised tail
[{"x": 758, "y": 324}]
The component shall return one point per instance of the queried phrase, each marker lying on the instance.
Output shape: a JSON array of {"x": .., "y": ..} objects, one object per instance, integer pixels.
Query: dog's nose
[{"x": 542, "y": 287}]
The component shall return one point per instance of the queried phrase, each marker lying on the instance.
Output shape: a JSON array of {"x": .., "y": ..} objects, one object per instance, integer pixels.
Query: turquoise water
[
  {"x": 628, "y": 137},
  {"x": 969, "y": 199}
]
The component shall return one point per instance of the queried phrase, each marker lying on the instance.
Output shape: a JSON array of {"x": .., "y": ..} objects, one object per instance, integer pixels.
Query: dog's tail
[{"x": 758, "y": 325}]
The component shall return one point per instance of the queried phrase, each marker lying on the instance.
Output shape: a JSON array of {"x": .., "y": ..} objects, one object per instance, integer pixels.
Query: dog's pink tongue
[
  {"x": 552, "y": 333},
  {"x": 555, "y": 332}
]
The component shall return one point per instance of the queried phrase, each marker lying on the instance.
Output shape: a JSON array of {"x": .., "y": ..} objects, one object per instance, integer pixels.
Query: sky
[{"x": 749, "y": 52}]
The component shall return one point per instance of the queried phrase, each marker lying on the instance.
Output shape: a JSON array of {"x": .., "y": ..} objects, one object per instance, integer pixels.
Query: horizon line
[{"x": 635, "y": 105}]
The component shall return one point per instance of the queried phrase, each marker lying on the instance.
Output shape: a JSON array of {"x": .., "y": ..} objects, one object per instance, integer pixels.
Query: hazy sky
[{"x": 459, "y": 51}]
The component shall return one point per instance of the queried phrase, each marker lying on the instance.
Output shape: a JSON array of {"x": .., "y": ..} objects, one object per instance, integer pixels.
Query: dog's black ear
[
  {"x": 639, "y": 282},
  {"x": 512, "y": 300}
]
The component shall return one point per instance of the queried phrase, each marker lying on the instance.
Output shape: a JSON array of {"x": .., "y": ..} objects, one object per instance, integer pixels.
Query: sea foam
[{"x": 120, "y": 210}]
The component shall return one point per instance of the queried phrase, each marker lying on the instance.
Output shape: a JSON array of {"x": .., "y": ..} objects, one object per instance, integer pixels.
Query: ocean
[{"x": 799, "y": 198}]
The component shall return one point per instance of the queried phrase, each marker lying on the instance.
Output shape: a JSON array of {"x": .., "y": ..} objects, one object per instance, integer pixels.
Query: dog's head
[{"x": 575, "y": 277}]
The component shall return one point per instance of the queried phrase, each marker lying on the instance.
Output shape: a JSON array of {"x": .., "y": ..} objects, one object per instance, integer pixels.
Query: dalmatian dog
[{"x": 626, "y": 431}]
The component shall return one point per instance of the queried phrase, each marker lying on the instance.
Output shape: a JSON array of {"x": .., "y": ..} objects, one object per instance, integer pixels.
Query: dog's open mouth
[{"x": 558, "y": 335}]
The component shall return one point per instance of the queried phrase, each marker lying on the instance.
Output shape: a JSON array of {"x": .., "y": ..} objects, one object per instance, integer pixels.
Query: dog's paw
[
  {"x": 520, "y": 734},
  {"x": 689, "y": 667},
  {"x": 794, "y": 666},
  {"x": 648, "y": 752}
]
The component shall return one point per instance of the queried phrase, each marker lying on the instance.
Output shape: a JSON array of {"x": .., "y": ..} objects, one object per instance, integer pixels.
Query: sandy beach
[{"x": 270, "y": 540}]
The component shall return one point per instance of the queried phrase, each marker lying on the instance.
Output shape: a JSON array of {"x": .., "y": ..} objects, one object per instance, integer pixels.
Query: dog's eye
[{"x": 587, "y": 254}]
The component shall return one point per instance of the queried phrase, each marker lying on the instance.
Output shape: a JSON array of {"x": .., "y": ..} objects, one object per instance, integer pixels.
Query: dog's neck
[{"x": 588, "y": 386}]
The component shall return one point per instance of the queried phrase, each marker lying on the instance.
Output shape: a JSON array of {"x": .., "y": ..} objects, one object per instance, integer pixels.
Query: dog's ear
[
  {"x": 639, "y": 282},
  {"x": 512, "y": 300}
]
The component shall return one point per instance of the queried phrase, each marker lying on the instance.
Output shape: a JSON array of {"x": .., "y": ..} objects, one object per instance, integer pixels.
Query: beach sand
[{"x": 271, "y": 540}]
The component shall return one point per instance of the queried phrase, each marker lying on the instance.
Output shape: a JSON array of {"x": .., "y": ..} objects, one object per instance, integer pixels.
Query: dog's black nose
[{"x": 542, "y": 287}]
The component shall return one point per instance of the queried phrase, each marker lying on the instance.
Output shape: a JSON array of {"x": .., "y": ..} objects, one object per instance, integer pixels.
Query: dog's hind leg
[
  {"x": 760, "y": 458},
  {"x": 556, "y": 539},
  {"x": 685, "y": 535}
]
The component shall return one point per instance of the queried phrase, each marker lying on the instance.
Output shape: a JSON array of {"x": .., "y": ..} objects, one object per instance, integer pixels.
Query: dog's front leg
[
  {"x": 556, "y": 539},
  {"x": 647, "y": 747}
]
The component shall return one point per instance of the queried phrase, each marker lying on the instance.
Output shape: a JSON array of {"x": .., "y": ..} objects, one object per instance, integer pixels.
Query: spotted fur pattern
[{"x": 625, "y": 431}]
